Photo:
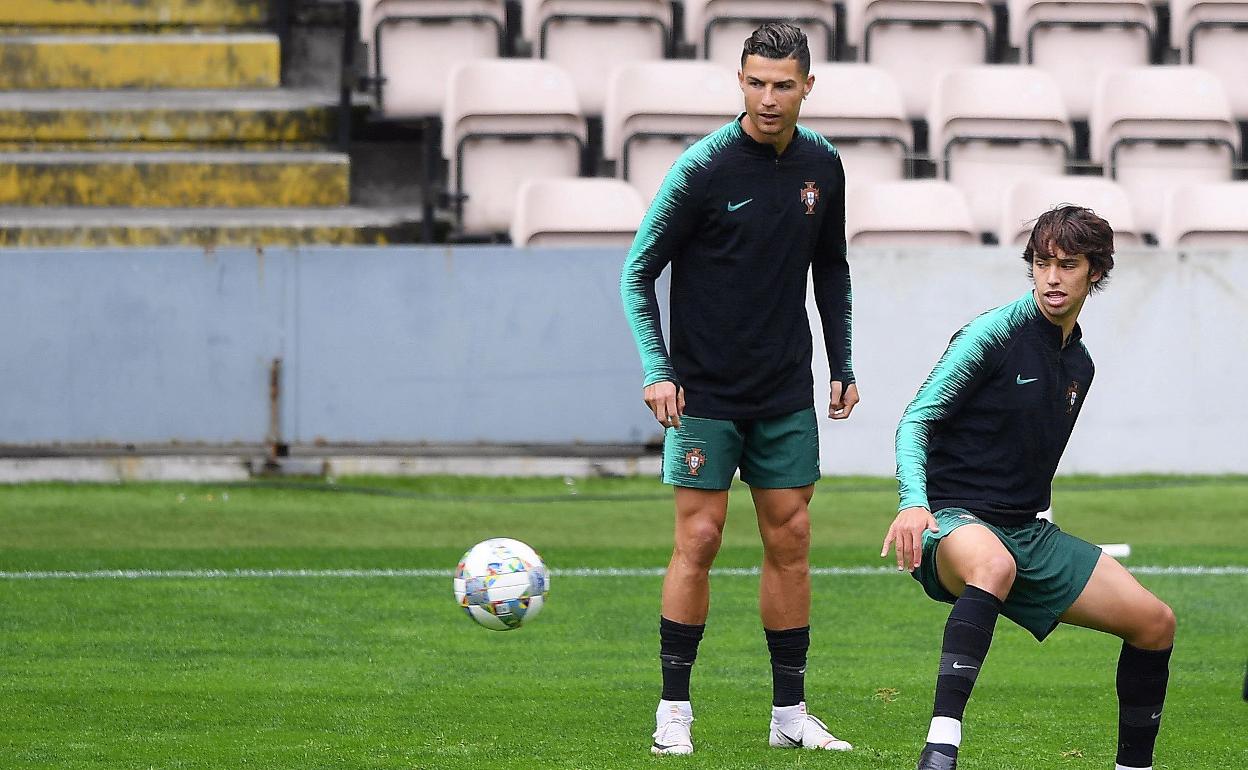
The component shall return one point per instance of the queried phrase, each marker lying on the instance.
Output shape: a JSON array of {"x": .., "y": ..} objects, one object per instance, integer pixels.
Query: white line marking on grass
[{"x": 216, "y": 574}]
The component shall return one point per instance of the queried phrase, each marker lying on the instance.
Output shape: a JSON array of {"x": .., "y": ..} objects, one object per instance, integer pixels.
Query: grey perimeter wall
[{"x": 494, "y": 345}]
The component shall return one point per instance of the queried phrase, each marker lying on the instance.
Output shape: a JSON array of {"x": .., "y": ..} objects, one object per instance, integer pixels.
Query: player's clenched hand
[
  {"x": 843, "y": 399},
  {"x": 667, "y": 402},
  {"x": 906, "y": 535}
]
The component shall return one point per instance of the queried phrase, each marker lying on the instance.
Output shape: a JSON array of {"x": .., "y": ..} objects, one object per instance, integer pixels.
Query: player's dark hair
[
  {"x": 1074, "y": 230},
  {"x": 777, "y": 40}
]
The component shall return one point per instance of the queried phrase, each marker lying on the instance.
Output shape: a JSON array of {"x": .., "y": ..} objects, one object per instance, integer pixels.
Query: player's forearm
[
  {"x": 911, "y": 453},
  {"x": 641, "y": 308},
  {"x": 834, "y": 298}
]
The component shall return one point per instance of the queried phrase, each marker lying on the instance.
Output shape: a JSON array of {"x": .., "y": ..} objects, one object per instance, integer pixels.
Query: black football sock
[
  {"x": 678, "y": 649},
  {"x": 788, "y": 664},
  {"x": 968, "y": 635},
  {"x": 1142, "y": 679}
]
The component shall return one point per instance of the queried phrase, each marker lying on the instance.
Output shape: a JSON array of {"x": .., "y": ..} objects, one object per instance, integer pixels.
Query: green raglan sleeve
[
  {"x": 972, "y": 356},
  {"x": 831, "y": 280},
  {"x": 669, "y": 223}
]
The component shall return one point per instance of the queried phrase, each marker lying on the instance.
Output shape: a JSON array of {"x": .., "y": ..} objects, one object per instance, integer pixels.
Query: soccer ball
[{"x": 501, "y": 583}]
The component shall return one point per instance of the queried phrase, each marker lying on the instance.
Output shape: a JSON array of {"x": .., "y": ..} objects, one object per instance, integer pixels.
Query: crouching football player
[{"x": 976, "y": 452}]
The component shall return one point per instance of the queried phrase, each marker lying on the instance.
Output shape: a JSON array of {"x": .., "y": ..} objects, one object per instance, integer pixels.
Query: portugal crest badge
[
  {"x": 1072, "y": 396},
  {"x": 810, "y": 196},
  {"x": 694, "y": 460}
]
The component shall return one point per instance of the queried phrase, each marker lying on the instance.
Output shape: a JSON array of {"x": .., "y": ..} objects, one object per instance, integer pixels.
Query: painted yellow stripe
[
  {"x": 133, "y": 12},
  {"x": 139, "y": 61},
  {"x": 166, "y": 125},
  {"x": 157, "y": 183},
  {"x": 156, "y": 147},
  {"x": 216, "y": 236}
]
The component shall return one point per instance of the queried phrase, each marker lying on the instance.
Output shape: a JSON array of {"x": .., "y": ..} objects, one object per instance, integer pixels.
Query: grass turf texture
[{"x": 386, "y": 672}]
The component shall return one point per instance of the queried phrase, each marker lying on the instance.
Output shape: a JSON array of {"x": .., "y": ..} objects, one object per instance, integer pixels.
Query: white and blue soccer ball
[{"x": 501, "y": 583}]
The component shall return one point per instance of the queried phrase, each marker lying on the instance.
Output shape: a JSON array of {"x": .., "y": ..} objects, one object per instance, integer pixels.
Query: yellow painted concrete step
[
  {"x": 54, "y": 62},
  {"x": 133, "y": 12},
  {"x": 174, "y": 179},
  {"x": 285, "y": 116},
  {"x": 60, "y": 227},
  {"x": 35, "y": 13}
]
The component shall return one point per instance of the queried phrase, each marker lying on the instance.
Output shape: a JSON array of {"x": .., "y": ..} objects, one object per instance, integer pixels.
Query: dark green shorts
[
  {"x": 1053, "y": 568},
  {"x": 773, "y": 453}
]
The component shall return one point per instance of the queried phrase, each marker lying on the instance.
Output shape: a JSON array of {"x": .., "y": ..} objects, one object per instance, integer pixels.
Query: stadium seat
[
  {"x": 1157, "y": 127},
  {"x": 1213, "y": 35},
  {"x": 990, "y": 126},
  {"x": 923, "y": 213},
  {"x": 917, "y": 39},
  {"x": 576, "y": 212},
  {"x": 1027, "y": 199},
  {"x": 1206, "y": 215},
  {"x": 414, "y": 44},
  {"x": 1076, "y": 40},
  {"x": 717, "y": 28},
  {"x": 590, "y": 37},
  {"x": 506, "y": 121},
  {"x": 645, "y": 128},
  {"x": 858, "y": 108}
]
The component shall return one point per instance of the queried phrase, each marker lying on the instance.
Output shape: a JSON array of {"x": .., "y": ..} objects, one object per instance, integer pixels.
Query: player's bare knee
[
  {"x": 788, "y": 544},
  {"x": 1161, "y": 627},
  {"x": 994, "y": 573},
  {"x": 698, "y": 543}
]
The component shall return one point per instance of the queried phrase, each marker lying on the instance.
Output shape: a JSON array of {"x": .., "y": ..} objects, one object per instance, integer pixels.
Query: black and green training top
[
  {"x": 741, "y": 227},
  {"x": 990, "y": 423}
]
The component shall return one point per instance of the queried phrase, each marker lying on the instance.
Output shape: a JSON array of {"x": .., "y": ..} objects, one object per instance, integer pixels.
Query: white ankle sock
[
  {"x": 682, "y": 706},
  {"x": 784, "y": 715},
  {"x": 945, "y": 730},
  {"x": 1124, "y": 767}
]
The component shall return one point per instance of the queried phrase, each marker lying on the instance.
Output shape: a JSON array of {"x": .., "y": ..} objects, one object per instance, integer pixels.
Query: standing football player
[
  {"x": 976, "y": 452},
  {"x": 742, "y": 217}
]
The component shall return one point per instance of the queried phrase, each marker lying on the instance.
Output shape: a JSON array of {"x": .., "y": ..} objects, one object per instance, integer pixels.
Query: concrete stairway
[{"x": 151, "y": 122}]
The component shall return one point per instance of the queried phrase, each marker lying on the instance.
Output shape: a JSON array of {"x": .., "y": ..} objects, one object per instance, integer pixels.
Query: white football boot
[
  {"x": 793, "y": 728},
  {"x": 671, "y": 733}
]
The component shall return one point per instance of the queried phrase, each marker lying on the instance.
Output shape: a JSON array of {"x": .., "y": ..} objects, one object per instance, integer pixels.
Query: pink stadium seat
[
  {"x": 718, "y": 28},
  {"x": 1076, "y": 40},
  {"x": 858, "y": 108},
  {"x": 576, "y": 212},
  {"x": 590, "y": 37},
  {"x": 914, "y": 213},
  {"x": 915, "y": 40},
  {"x": 1029, "y": 198},
  {"x": 1155, "y": 127},
  {"x": 646, "y": 128},
  {"x": 990, "y": 126},
  {"x": 1206, "y": 216},
  {"x": 414, "y": 44},
  {"x": 1213, "y": 35},
  {"x": 506, "y": 121}
]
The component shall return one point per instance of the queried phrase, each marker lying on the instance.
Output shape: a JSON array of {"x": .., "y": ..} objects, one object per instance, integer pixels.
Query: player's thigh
[
  {"x": 973, "y": 553},
  {"x": 703, "y": 453},
  {"x": 783, "y": 515},
  {"x": 1113, "y": 601},
  {"x": 781, "y": 452},
  {"x": 700, "y": 517}
]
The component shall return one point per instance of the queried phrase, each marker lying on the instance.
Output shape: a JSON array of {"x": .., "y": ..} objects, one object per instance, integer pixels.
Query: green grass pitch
[{"x": 218, "y": 670}]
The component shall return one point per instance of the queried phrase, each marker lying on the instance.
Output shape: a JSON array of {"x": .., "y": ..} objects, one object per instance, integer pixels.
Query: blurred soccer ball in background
[{"x": 501, "y": 583}]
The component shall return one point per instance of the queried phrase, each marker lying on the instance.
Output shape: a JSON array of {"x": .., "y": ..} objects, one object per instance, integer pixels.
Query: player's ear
[{"x": 810, "y": 84}]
